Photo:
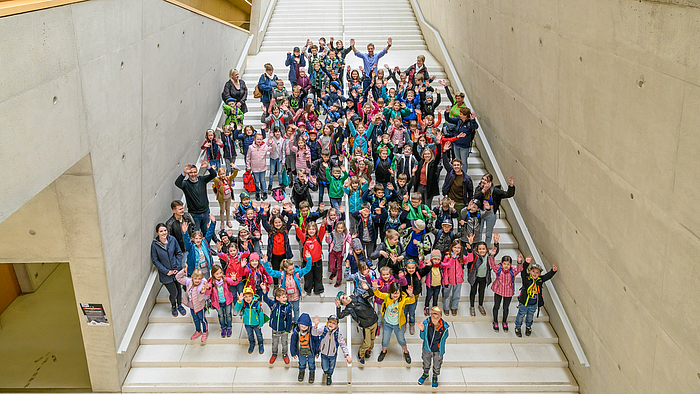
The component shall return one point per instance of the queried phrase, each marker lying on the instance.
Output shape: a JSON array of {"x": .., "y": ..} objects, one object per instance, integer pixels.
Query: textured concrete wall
[
  {"x": 257, "y": 16},
  {"x": 134, "y": 83},
  {"x": 593, "y": 107}
]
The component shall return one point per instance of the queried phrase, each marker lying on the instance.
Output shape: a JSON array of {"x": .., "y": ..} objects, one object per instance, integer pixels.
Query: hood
[{"x": 305, "y": 320}]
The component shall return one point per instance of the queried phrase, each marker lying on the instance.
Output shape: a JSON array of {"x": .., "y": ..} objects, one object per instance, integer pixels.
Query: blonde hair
[
  {"x": 197, "y": 273},
  {"x": 232, "y": 72},
  {"x": 391, "y": 233},
  {"x": 421, "y": 57}
]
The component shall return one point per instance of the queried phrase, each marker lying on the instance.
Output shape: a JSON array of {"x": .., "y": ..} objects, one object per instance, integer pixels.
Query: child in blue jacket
[
  {"x": 280, "y": 322},
  {"x": 434, "y": 332},
  {"x": 253, "y": 317},
  {"x": 305, "y": 346}
]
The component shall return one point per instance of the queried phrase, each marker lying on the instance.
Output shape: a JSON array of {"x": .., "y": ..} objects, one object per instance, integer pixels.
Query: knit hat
[
  {"x": 419, "y": 224},
  {"x": 356, "y": 244},
  {"x": 304, "y": 320},
  {"x": 302, "y": 69},
  {"x": 335, "y": 84},
  {"x": 248, "y": 290},
  {"x": 428, "y": 94},
  {"x": 230, "y": 99},
  {"x": 244, "y": 195},
  {"x": 223, "y": 234},
  {"x": 254, "y": 256},
  {"x": 333, "y": 317},
  {"x": 434, "y": 253}
]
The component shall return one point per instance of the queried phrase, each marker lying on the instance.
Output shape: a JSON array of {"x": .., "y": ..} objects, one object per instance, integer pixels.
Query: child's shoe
[
  {"x": 257, "y": 196},
  {"x": 407, "y": 357},
  {"x": 472, "y": 311},
  {"x": 518, "y": 333},
  {"x": 264, "y": 195},
  {"x": 261, "y": 349},
  {"x": 435, "y": 382},
  {"x": 300, "y": 377},
  {"x": 423, "y": 378},
  {"x": 505, "y": 327},
  {"x": 205, "y": 334},
  {"x": 528, "y": 331},
  {"x": 337, "y": 284},
  {"x": 228, "y": 333},
  {"x": 312, "y": 376},
  {"x": 174, "y": 311},
  {"x": 368, "y": 353},
  {"x": 426, "y": 311},
  {"x": 454, "y": 312},
  {"x": 332, "y": 276},
  {"x": 286, "y": 359},
  {"x": 251, "y": 348},
  {"x": 223, "y": 333},
  {"x": 329, "y": 381},
  {"x": 273, "y": 358},
  {"x": 482, "y": 310},
  {"x": 447, "y": 312},
  {"x": 381, "y": 357},
  {"x": 412, "y": 329},
  {"x": 182, "y": 310},
  {"x": 495, "y": 327},
  {"x": 195, "y": 335}
]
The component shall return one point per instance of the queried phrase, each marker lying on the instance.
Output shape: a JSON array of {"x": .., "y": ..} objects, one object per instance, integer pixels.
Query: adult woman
[
  {"x": 490, "y": 197},
  {"x": 427, "y": 175},
  {"x": 417, "y": 68},
  {"x": 266, "y": 83},
  {"x": 167, "y": 257},
  {"x": 235, "y": 89}
]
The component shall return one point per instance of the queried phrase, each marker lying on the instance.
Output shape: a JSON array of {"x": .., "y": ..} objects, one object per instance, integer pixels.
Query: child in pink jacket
[
  {"x": 257, "y": 164},
  {"x": 221, "y": 298},
  {"x": 504, "y": 286},
  {"x": 452, "y": 277},
  {"x": 194, "y": 298}
]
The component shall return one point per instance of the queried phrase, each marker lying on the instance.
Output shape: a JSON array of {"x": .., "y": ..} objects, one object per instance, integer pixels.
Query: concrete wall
[
  {"x": 132, "y": 83},
  {"x": 257, "y": 16},
  {"x": 593, "y": 107}
]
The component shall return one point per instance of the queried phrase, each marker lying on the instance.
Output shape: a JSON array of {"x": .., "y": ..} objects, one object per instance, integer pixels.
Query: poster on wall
[{"x": 95, "y": 314}]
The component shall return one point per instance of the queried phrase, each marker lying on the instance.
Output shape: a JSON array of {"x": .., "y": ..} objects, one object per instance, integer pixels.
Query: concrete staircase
[{"x": 477, "y": 358}]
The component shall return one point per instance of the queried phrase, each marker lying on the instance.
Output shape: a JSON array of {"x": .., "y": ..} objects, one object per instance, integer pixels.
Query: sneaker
[
  {"x": 332, "y": 276},
  {"x": 251, "y": 348},
  {"x": 454, "y": 312},
  {"x": 264, "y": 195},
  {"x": 407, "y": 357},
  {"x": 228, "y": 333},
  {"x": 447, "y": 312},
  {"x": 412, "y": 329},
  {"x": 269, "y": 188},
  {"x": 204, "y": 336},
  {"x": 257, "y": 196},
  {"x": 286, "y": 359},
  {"x": 505, "y": 327},
  {"x": 518, "y": 333},
  {"x": 381, "y": 357},
  {"x": 182, "y": 310},
  {"x": 328, "y": 380},
  {"x": 472, "y": 312},
  {"x": 223, "y": 333},
  {"x": 300, "y": 377},
  {"x": 273, "y": 358},
  {"x": 337, "y": 284},
  {"x": 423, "y": 378},
  {"x": 426, "y": 311},
  {"x": 195, "y": 335},
  {"x": 261, "y": 349},
  {"x": 361, "y": 360},
  {"x": 229, "y": 224},
  {"x": 368, "y": 353},
  {"x": 174, "y": 311},
  {"x": 312, "y": 376},
  {"x": 495, "y": 327},
  {"x": 435, "y": 382},
  {"x": 482, "y": 310},
  {"x": 528, "y": 331}
]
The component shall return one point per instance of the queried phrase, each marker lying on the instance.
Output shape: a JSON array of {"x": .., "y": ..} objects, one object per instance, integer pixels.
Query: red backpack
[{"x": 248, "y": 182}]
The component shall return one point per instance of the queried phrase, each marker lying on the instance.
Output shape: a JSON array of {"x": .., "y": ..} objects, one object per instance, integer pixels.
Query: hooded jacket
[
  {"x": 426, "y": 337},
  {"x": 252, "y": 313},
  {"x": 282, "y": 275},
  {"x": 314, "y": 340},
  {"x": 280, "y": 315}
]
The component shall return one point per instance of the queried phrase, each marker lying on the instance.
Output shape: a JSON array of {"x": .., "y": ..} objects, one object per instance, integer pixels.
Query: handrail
[
  {"x": 449, "y": 66},
  {"x": 266, "y": 18},
  {"x": 348, "y": 290}
]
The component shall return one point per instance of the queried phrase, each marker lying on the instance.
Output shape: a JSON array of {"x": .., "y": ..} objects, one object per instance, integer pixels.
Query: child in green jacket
[
  {"x": 253, "y": 317},
  {"x": 335, "y": 191},
  {"x": 234, "y": 115},
  {"x": 434, "y": 332}
]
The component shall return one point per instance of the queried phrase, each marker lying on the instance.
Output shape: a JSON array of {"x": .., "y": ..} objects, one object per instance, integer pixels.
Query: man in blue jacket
[{"x": 370, "y": 60}]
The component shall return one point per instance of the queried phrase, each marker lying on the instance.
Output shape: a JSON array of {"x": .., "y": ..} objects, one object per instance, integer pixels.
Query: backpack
[
  {"x": 249, "y": 182},
  {"x": 257, "y": 93}
]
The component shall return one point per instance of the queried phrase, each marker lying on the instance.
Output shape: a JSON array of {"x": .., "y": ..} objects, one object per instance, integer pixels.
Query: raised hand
[
  {"x": 365, "y": 286},
  {"x": 511, "y": 181},
  {"x": 554, "y": 268},
  {"x": 389, "y": 41},
  {"x": 212, "y": 219},
  {"x": 316, "y": 321},
  {"x": 240, "y": 296},
  {"x": 471, "y": 238},
  {"x": 352, "y": 42},
  {"x": 420, "y": 325},
  {"x": 442, "y": 82},
  {"x": 496, "y": 237},
  {"x": 184, "y": 227},
  {"x": 528, "y": 259},
  {"x": 520, "y": 258},
  {"x": 409, "y": 291}
]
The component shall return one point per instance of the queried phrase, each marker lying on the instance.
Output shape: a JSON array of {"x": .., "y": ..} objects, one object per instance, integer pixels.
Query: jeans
[
  {"x": 527, "y": 311},
  {"x": 434, "y": 293},
  {"x": 328, "y": 364},
  {"x": 336, "y": 202},
  {"x": 431, "y": 357},
  {"x": 450, "y": 296},
  {"x": 225, "y": 315},
  {"x": 480, "y": 284},
  {"x": 462, "y": 154},
  {"x": 398, "y": 331},
  {"x": 254, "y": 331},
  {"x": 201, "y": 324},
  {"x": 276, "y": 336},
  {"x": 259, "y": 178},
  {"x": 175, "y": 291},
  {"x": 215, "y": 164},
  {"x": 228, "y": 162},
  {"x": 275, "y": 168},
  {"x": 423, "y": 190},
  {"x": 488, "y": 221},
  {"x": 201, "y": 221},
  {"x": 237, "y": 289},
  {"x": 307, "y": 360},
  {"x": 295, "y": 309},
  {"x": 497, "y": 303},
  {"x": 410, "y": 311},
  {"x": 321, "y": 187}
]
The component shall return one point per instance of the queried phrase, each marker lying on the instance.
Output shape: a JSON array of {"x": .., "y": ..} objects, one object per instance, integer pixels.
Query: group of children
[{"x": 383, "y": 150}]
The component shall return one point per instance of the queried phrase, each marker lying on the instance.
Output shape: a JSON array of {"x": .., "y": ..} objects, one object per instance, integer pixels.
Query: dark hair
[
  {"x": 159, "y": 225},
  {"x": 175, "y": 204},
  {"x": 394, "y": 287},
  {"x": 273, "y": 230},
  {"x": 507, "y": 258}
]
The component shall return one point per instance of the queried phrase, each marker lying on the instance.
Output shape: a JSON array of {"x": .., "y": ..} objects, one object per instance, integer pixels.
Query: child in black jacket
[{"x": 530, "y": 298}]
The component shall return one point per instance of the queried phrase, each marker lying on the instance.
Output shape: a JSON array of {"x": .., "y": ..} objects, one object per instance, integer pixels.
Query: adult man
[
  {"x": 458, "y": 185},
  {"x": 195, "y": 189},
  {"x": 174, "y": 224},
  {"x": 370, "y": 59}
]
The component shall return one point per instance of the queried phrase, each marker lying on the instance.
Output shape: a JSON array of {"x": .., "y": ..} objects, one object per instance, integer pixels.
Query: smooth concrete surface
[
  {"x": 41, "y": 346},
  {"x": 132, "y": 83},
  {"x": 592, "y": 106}
]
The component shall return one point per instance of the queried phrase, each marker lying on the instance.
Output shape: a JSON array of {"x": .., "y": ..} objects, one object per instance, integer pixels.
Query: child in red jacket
[
  {"x": 255, "y": 276},
  {"x": 311, "y": 239}
]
